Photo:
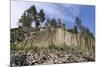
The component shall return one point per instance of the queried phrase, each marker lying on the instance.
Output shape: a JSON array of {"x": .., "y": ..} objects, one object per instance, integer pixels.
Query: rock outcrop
[
  {"x": 59, "y": 37},
  {"x": 50, "y": 46},
  {"x": 18, "y": 35}
]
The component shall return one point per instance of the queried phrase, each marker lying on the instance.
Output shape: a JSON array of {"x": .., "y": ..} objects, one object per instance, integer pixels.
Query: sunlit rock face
[
  {"x": 59, "y": 37},
  {"x": 51, "y": 46}
]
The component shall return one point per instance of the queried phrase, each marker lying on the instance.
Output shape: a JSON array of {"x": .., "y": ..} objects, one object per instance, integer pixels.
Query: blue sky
[{"x": 66, "y": 12}]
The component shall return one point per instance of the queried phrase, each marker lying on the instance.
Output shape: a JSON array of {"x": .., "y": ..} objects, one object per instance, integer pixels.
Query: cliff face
[
  {"x": 59, "y": 37},
  {"x": 74, "y": 40},
  {"x": 26, "y": 52}
]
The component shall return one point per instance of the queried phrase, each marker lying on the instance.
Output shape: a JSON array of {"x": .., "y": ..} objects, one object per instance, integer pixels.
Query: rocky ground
[
  {"x": 20, "y": 34},
  {"x": 49, "y": 56}
]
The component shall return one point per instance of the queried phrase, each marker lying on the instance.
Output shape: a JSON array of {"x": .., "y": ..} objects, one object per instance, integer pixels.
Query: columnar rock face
[
  {"x": 59, "y": 37},
  {"x": 62, "y": 37}
]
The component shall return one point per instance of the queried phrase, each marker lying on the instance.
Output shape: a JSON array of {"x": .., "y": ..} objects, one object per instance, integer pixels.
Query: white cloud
[{"x": 66, "y": 12}]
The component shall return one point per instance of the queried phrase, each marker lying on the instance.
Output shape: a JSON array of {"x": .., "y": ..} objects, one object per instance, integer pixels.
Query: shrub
[{"x": 62, "y": 47}]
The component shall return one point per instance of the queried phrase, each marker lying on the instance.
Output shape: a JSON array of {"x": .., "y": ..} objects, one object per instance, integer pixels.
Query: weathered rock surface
[
  {"x": 59, "y": 37},
  {"x": 27, "y": 41},
  {"x": 20, "y": 34},
  {"x": 46, "y": 56}
]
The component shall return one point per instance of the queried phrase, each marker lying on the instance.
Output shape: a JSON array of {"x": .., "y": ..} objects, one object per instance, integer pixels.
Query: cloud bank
[{"x": 65, "y": 12}]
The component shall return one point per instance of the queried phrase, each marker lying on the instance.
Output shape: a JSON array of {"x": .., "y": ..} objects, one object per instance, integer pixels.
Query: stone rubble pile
[{"x": 46, "y": 56}]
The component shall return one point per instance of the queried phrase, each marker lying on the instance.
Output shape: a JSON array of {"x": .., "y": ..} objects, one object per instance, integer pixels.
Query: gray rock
[{"x": 46, "y": 56}]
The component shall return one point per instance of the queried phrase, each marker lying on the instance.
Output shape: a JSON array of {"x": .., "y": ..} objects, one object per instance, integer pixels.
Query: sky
[{"x": 66, "y": 12}]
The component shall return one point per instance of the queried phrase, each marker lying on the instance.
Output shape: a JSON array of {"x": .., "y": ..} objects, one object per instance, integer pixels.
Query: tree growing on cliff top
[
  {"x": 84, "y": 30},
  {"x": 25, "y": 20},
  {"x": 55, "y": 23},
  {"x": 51, "y": 22},
  {"x": 30, "y": 15},
  {"x": 78, "y": 24}
]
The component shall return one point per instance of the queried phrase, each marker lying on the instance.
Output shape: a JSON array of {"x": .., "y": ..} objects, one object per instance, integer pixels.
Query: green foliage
[
  {"x": 78, "y": 23},
  {"x": 55, "y": 23},
  {"x": 32, "y": 15},
  {"x": 87, "y": 33},
  {"x": 78, "y": 27},
  {"x": 47, "y": 22},
  {"x": 51, "y": 46},
  {"x": 26, "y": 20},
  {"x": 62, "y": 47},
  {"x": 34, "y": 48},
  {"x": 37, "y": 48},
  {"x": 14, "y": 47},
  {"x": 51, "y": 22},
  {"x": 42, "y": 16},
  {"x": 32, "y": 11},
  {"x": 37, "y": 24},
  {"x": 59, "y": 22},
  {"x": 91, "y": 35},
  {"x": 65, "y": 47},
  {"x": 73, "y": 30}
]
